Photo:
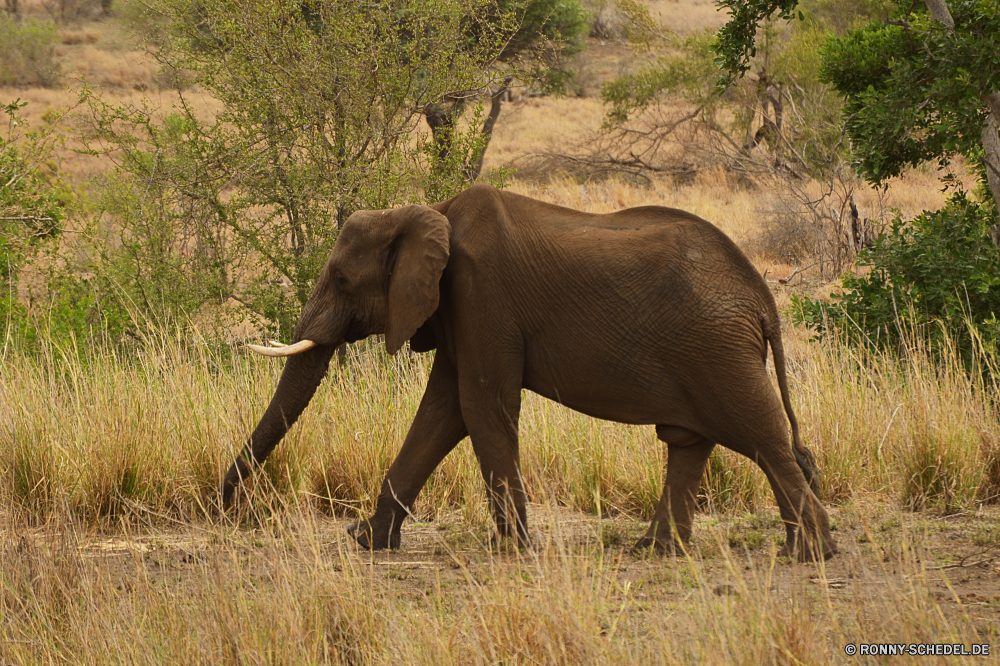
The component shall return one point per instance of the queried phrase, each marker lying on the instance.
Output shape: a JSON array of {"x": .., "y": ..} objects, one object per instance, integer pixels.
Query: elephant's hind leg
[
  {"x": 759, "y": 431},
  {"x": 807, "y": 525},
  {"x": 687, "y": 455},
  {"x": 436, "y": 430}
]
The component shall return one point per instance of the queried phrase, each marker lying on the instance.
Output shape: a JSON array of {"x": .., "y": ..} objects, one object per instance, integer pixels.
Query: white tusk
[
  {"x": 275, "y": 343},
  {"x": 297, "y": 348}
]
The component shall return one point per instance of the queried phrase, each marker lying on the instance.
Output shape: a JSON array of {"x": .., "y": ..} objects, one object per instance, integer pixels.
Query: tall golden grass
[{"x": 99, "y": 436}]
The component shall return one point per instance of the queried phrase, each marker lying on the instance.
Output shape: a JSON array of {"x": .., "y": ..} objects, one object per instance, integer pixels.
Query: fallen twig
[
  {"x": 964, "y": 563},
  {"x": 789, "y": 278}
]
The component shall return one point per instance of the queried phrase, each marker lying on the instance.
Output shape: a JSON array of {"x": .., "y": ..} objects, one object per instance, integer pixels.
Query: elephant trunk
[{"x": 299, "y": 380}]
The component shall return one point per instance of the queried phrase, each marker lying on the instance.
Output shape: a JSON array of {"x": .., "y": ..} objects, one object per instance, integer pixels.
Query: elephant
[{"x": 647, "y": 315}]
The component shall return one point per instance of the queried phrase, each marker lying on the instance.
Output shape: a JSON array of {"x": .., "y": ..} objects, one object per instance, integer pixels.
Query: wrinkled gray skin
[{"x": 648, "y": 316}]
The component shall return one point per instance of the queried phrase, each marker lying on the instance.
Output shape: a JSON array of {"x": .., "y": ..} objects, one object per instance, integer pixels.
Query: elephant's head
[{"x": 382, "y": 277}]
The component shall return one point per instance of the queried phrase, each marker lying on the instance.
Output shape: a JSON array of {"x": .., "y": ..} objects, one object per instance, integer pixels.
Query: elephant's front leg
[
  {"x": 491, "y": 413},
  {"x": 436, "y": 429}
]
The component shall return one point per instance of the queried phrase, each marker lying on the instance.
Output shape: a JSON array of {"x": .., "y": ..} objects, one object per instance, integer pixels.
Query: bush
[
  {"x": 937, "y": 276},
  {"x": 32, "y": 201},
  {"x": 27, "y": 52},
  {"x": 142, "y": 19}
]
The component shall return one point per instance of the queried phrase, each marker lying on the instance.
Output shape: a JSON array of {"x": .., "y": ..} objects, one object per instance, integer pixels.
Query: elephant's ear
[{"x": 421, "y": 253}]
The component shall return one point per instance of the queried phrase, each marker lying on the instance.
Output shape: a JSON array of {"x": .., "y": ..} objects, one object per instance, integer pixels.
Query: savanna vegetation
[{"x": 173, "y": 175}]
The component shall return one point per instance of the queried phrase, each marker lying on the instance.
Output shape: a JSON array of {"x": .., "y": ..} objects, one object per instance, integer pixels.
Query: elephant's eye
[{"x": 339, "y": 282}]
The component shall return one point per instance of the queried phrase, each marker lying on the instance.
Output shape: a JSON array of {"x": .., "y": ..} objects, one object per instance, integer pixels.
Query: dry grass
[
  {"x": 104, "y": 438},
  {"x": 71, "y": 37},
  {"x": 85, "y": 63},
  {"x": 688, "y": 16},
  {"x": 83, "y": 169},
  {"x": 294, "y": 591},
  {"x": 111, "y": 551}
]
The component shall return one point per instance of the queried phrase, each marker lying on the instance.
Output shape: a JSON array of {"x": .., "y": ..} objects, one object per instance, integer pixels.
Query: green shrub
[
  {"x": 32, "y": 204},
  {"x": 85, "y": 309},
  {"x": 144, "y": 20},
  {"x": 27, "y": 52},
  {"x": 936, "y": 276}
]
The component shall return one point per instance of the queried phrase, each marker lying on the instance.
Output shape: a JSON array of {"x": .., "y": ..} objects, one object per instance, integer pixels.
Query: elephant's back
[{"x": 656, "y": 266}]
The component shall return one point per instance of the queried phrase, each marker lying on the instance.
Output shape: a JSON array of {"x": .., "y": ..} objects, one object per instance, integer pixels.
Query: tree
[
  {"x": 932, "y": 277},
  {"x": 919, "y": 85},
  {"x": 922, "y": 86},
  {"x": 547, "y": 32},
  {"x": 318, "y": 104}
]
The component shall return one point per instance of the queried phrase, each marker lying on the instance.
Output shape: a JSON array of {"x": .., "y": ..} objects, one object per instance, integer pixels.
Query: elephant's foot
[
  {"x": 662, "y": 539},
  {"x": 234, "y": 477},
  {"x": 807, "y": 547},
  {"x": 515, "y": 539},
  {"x": 658, "y": 545},
  {"x": 504, "y": 533},
  {"x": 373, "y": 534},
  {"x": 511, "y": 527}
]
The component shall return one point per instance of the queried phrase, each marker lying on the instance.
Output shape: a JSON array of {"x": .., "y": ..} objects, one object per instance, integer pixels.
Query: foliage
[
  {"x": 783, "y": 104},
  {"x": 319, "y": 101},
  {"x": 545, "y": 33},
  {"x": 546, "y": 29},
  {"x": 688, "y": 72},
  {"x": 548, "y": 32},
  {"x": 736, "y": 45},
  {"x": 937, "y": 275},
  {"x": 736, "y": 41},
  {"x": 450, "y": 170},
  {"x": 164, "y": 253},
  {"x": 85, "y": 308},
  {"x": 32, "y": 201},
  {"x": 27, "y": 52},
  {"x": 912, "y": 91}
]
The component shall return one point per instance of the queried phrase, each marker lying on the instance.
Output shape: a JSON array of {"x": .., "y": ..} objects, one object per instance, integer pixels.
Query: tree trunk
[
  {"x": 443, "y": 117},
  {"x": 473, "y": 170},
  {"x": 939, "y": 12},
  {"x": 991, "y": 146}
]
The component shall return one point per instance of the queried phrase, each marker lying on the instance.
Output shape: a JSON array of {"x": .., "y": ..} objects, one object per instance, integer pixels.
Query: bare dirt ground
[{"x": 953, "y": 560}]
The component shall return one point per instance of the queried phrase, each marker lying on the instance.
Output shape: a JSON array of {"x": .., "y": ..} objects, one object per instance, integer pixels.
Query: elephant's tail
[{"x": 803, "y": 456}]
